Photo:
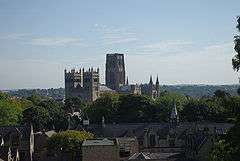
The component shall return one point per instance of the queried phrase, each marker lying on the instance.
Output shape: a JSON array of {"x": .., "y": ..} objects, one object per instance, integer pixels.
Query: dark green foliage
[
  {"x": 221, "y": 94},
  {"x": 134, "y": 108},
  {"x": 69, "y": 141},
  {"x": 196, "y": 110},
  {"x": 74, "y": 104},
  {"x": 238, "y": 91},
  {"x": 228, "y": 148},
  {"x": 11, "y": 109},
  {"x": 35, "y": 99},
  {"x": 105, "y": 106},
  {"x": 164, "y": 105},
  {"x": 38, "y": 116},
  {"x": 46, "y": 114}
]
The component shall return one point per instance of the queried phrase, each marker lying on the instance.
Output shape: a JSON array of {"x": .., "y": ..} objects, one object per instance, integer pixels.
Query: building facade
[
  {"x": 151, "y": 89},
  {"x": 83, "y": 84},
  {"x": 100, "y": 150},
  {"x": 17, "y": 143},
  {"x": 115, "y": 71}
]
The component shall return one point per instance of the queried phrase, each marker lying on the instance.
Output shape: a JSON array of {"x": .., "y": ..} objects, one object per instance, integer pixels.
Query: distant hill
[
  {"x": 196, "y": 91},
  {"x": 55, "y": 93}
]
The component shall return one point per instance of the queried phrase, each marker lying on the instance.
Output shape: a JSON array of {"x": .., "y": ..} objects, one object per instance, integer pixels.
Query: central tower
[{"x": 115, "y": 71}]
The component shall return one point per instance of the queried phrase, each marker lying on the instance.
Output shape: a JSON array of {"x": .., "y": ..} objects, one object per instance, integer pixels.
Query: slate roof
[
  {"x": 137, "y": 129},
  {"x": 152, "y": 156},
  {"x": 140, "y": 156},
  {"x": 98, "y": 142}
]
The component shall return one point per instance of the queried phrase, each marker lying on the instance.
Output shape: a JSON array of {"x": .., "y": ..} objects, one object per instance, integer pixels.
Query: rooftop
[{"x": 98, "y": 142}]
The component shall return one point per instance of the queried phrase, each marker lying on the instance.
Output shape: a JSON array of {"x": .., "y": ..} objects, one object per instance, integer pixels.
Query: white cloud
[
  {"x": 16, "y": 36},
  {"x": 31, "y": 39},
  {"x": 207, "y": 64},
  {"x": 220, "y": 48},
  {"x": 166, "y": 47},
  {"x": 48, "y": 41},
  {"x": 120, "y": 40}
]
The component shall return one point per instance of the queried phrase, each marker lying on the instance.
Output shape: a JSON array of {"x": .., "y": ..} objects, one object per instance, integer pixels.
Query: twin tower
[{"x": 86, "y": 84}]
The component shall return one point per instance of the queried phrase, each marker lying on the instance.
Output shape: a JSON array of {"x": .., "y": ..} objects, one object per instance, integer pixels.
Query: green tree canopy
[
  {"x": 68, "y": 141},
  {"x": 74, "y": 104},
  {"x": 11, "y": 109},
  {"x": 38, "y": 116},
  {"x": 134, "y": 108},
  {"x": 47, "y": 114},
  {"x": 105, "y": 106},
  {"x": 164, "y": 104},
  {"x": 236, "y": 58}
]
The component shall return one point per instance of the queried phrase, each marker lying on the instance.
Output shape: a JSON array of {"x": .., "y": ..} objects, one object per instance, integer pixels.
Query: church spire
[
  {"x": 127, "y": 81},
  {"x": 174, "y": 119},
  {"x": 157, "y": 81},
  {"x": 151, "y": 82}
]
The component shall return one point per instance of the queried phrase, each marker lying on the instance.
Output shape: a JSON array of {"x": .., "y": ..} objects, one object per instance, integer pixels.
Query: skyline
[{"x": 183, "y": 42}]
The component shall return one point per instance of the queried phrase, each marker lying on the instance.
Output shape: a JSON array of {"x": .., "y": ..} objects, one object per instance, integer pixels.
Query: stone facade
[
  {"x": 19, "y": 140},
  {"x": 151, "y": 89},
  {"x": 116, "y": 149},
  {"x": 127, "y": 147},
  {"x": 130, "y": 89},
  {"x": 40, "y": 151},
  {"x": 100, "y": 150},
  {"x": 83, "y": 84},
  {"x": 115, "y": 71}
]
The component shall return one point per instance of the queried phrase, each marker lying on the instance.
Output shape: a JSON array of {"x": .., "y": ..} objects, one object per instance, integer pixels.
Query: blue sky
[{"x": 183, "y": 42}]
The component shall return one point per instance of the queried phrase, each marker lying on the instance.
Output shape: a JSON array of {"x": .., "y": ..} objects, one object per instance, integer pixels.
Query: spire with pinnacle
[
  {"x": 157, "y": 81},
  {"x": 174, "y": 119},
  {"x": 151, "y": 82},
  {"x": 157, "y": 87}
]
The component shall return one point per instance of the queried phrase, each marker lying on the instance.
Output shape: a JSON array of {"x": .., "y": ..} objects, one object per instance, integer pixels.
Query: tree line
[{"x": 47, "y": 114}]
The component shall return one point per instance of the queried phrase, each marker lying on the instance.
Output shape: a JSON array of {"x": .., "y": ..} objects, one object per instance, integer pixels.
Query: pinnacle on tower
[
  {"x": 127, "y": 81},
  {"x": 157, "y": 81},
  {"x": 151, "y": 82}
]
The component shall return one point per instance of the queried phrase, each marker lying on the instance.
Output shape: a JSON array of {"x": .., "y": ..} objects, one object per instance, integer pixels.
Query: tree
[
  {"x": 195, "y": 110},
  {"x": 106, "y": 106},
  {"x": 220, "y": 94},
  {"x": 47, "y": 114},
  {"x": 164, "y": 104},
  {"x": 238, "y": 91},
  {"x": 11, "y": 109},
  {"x": 236, "y": 58},
  {"x": 35, "y": 99},
  {"x": 74, "y": 104},
  {"x": 10, "y": 113},
  {"x": 69, "y": 141},
  {"x": 228, "y": 149},
  {"x": 222, "y": 151},
  {"x": 134, "y": 108},
  {"x": 38, "y": 116}
]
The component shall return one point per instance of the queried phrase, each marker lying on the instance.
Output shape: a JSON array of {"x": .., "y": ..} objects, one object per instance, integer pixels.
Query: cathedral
[
  {"x": 86, "y": 84},
  {"x": 83, "y": 84},
  {"x": 151, "y": 89}
]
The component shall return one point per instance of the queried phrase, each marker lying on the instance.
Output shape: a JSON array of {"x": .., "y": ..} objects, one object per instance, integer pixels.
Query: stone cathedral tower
[
  {"x": 115, "y": 71},
  {"x": 83, "y": 84}
]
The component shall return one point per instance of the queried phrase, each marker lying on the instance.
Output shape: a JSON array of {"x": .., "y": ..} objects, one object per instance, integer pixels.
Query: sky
[{"x": 183, "y": 42}]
